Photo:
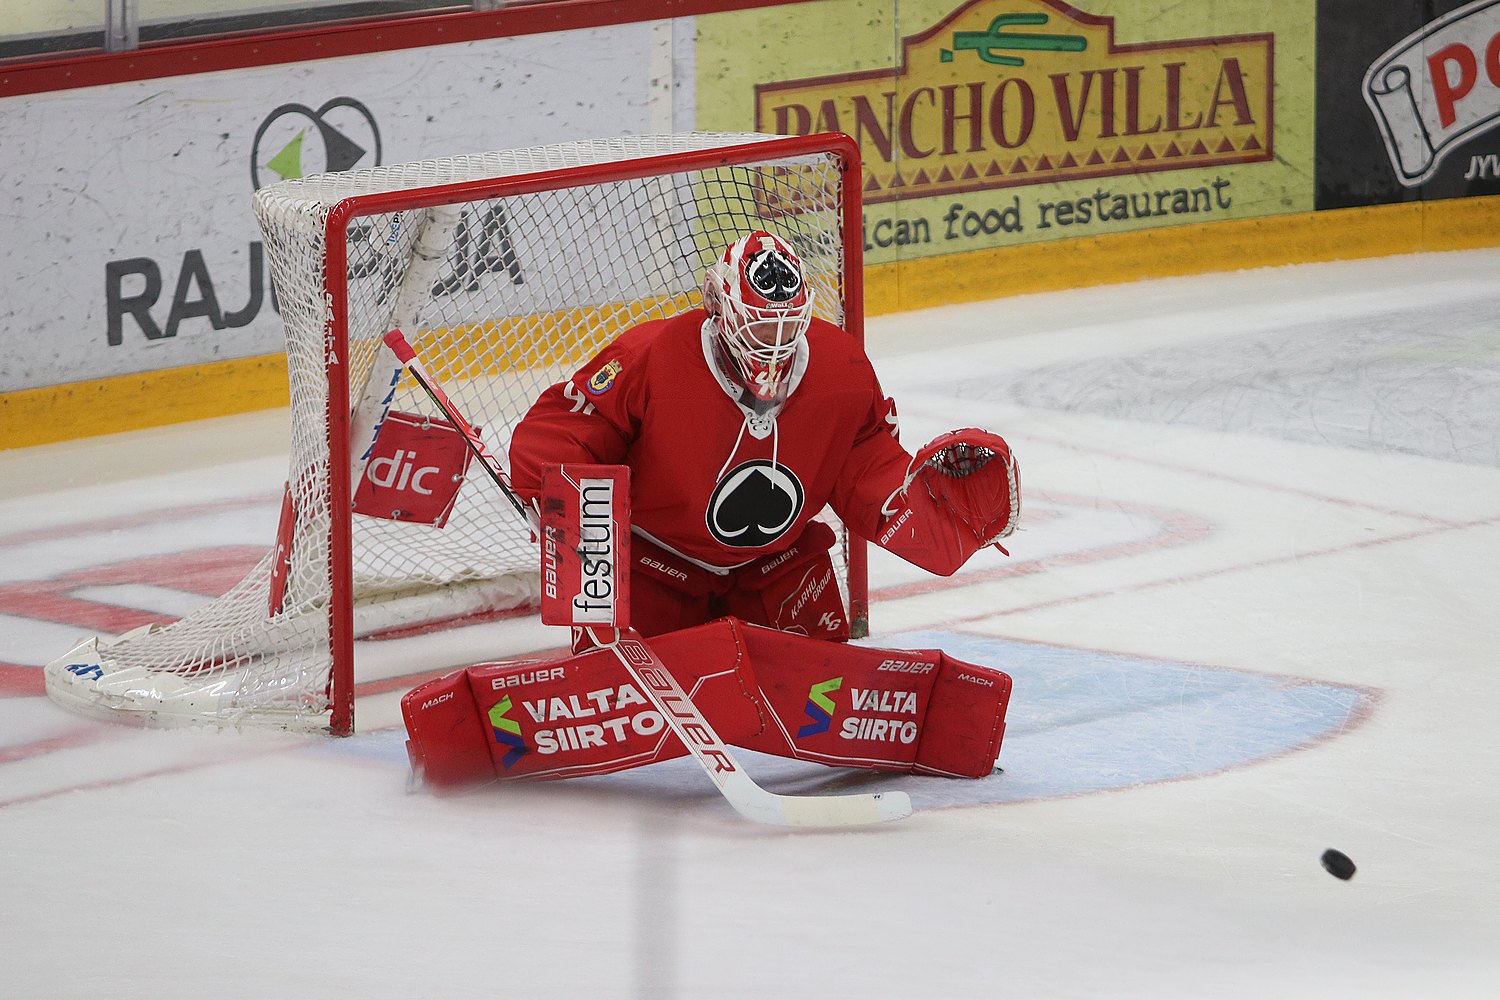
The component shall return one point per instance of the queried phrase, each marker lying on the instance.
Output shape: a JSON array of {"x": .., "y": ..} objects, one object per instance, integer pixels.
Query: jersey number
[{"x": 580, "y": 404}]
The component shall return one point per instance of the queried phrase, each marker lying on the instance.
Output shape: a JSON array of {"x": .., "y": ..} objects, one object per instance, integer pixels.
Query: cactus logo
[
  {"x": 294, "y": 141},
  {"x": 507, "y": 732},
  {"x": 1011, "y": 93},
  {"x": 820, "y": 707}
]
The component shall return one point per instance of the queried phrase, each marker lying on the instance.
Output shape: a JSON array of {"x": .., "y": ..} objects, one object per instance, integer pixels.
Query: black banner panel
[{"x": 1408, "y": 100}]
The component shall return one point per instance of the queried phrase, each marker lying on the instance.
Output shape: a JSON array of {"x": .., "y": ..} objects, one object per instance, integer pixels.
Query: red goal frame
[{"x": 336, "y": 341}]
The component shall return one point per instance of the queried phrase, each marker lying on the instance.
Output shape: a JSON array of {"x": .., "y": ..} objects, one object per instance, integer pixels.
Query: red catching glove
[{"x": 972, "y": 475}]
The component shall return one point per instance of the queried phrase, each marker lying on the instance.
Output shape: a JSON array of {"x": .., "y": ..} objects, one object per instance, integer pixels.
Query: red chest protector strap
[{"x": 846, "y": 706}]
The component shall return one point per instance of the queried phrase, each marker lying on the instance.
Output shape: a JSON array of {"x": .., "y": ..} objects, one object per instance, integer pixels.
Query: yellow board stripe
[
  {"x": 134, "y": 402},
  {"x": 153, "y": 399},
  {"x": 1305, "y": 238},
  {"x": 496, "y": 346}
]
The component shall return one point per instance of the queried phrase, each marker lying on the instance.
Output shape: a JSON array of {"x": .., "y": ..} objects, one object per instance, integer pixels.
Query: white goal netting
[{"x": 506, "y": 270}]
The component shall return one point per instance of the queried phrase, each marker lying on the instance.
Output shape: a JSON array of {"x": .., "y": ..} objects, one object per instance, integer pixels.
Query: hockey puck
[{"x": 1338, "y": 864}]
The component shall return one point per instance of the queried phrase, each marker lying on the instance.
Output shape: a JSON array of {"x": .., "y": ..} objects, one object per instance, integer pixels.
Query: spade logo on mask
[
  {"x": 773, "y": 276},
  {"x": 754, "y": 504}
]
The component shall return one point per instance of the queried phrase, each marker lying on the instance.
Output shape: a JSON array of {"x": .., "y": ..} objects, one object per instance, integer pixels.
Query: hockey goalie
[{"x": 721, "y": 432}]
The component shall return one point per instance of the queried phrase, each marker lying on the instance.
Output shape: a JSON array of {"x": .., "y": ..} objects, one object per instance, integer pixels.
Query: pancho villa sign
[{"x": 1002, "y": 93}]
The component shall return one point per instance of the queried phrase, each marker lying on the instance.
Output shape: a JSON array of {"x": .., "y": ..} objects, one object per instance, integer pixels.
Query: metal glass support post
[{"x": 122, "y": 25}]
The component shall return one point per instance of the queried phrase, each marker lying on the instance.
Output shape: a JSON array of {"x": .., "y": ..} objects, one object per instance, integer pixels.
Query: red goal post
[{"x": 507, "y": 270}]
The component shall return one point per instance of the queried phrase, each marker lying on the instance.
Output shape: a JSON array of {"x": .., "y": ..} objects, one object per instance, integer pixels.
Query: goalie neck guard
[{"x": 760, "y": 308}]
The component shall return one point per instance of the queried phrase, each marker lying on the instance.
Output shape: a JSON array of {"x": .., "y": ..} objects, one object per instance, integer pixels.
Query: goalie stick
[
  {"x": 747, "y": 798},
  {"x": 398, "y": 344}
]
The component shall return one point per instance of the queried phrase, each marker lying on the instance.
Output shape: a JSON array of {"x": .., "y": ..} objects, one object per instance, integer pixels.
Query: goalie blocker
[{"x": 912, "y": 711}]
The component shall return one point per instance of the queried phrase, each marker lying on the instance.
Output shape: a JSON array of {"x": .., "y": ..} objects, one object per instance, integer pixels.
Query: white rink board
[{"x": 185, "y": 150}]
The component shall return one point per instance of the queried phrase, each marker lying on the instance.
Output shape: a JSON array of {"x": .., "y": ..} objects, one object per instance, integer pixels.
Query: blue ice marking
[{"x": 1084, "y": 721}]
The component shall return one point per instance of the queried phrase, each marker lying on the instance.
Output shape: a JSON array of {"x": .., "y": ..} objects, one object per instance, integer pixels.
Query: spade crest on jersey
[{"x": 754, "y": 504}]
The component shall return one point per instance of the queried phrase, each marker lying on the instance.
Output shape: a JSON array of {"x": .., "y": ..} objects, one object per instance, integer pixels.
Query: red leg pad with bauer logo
[
  {"x": 919, "y": 711},
  {"x": 847, "y": 706},
  {"x": 574, "y": 716}
]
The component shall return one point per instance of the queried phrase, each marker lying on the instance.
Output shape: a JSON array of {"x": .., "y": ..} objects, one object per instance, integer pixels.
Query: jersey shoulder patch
[{"x": 604, "y": 379}]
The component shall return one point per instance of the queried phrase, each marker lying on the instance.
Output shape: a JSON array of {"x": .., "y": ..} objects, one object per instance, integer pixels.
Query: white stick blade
[{"x": 845, "y": 810}]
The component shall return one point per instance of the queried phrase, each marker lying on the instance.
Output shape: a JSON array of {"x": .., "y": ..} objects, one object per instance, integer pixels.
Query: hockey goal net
[{"x": 506, "y": 270}]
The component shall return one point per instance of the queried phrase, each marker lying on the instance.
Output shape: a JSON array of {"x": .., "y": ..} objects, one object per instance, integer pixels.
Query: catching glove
[{"x": 971, "y": 474}]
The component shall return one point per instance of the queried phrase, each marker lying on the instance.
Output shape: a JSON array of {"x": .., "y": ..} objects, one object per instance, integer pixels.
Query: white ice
[{"x": 1251, "y": 614}]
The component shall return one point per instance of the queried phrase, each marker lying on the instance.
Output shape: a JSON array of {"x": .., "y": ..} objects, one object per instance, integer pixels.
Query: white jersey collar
[{"x": 758, "y": 424}]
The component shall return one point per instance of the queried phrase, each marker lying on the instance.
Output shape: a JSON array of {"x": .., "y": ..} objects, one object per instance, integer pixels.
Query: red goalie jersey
[
  {"x": 740, "y": 422},
  {"x": 712, "y": 480}
]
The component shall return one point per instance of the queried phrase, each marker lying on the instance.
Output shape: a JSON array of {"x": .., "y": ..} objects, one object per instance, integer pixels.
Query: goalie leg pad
[
  {"x": 446, "y": 736},
  {"x": 916, "y": 711},
  {"x": 966, "y": 720},
  {"x": 578, "y": 715}
]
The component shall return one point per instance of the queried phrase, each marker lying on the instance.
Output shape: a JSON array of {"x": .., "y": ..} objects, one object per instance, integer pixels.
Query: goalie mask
[{"x": 760, "y": 308}]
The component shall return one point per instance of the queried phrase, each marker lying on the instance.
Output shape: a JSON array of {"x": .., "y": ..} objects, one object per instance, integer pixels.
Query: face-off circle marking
[{"x": 754, "y": 504}]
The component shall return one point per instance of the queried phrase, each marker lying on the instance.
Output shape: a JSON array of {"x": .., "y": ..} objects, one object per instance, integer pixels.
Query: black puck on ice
[{"x": 1338, "y": 864}]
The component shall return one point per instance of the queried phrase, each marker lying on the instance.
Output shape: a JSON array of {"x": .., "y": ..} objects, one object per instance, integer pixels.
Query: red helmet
[{"x": 761, "y": 308}]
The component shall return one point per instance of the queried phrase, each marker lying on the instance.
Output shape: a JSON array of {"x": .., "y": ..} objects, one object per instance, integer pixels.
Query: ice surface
[{"x": 1250, "y": 615}]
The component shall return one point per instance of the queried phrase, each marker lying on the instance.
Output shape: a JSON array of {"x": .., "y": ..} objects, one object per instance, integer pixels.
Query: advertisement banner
[
  {"x": 1408, "y": 101},
  {"x": 131, "y": 246},
  {"x": 990, "y": 123}
]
